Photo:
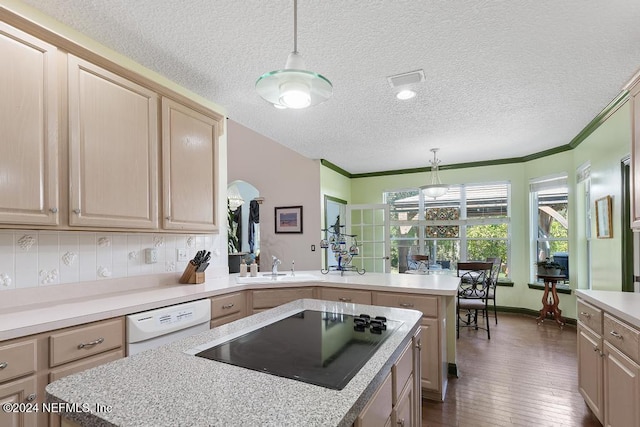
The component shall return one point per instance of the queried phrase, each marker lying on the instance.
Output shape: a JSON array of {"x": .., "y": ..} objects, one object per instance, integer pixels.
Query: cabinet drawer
[
  {"x": 401, "y": 371},
  {"x": 622, "y": 336},
  {"x": 270, "y": 298},
  {"x": 228, "y": 304},
  {"x": 85, "y": 341},
  {"x": 345, "y": 295},
  {"x": 17, "y": 359},
  {"x": 590, "y": 316},
  {"x": 428, "y": 305},
  {"x": 224, "y": 320},
  {"x": 83, "y": 365}
]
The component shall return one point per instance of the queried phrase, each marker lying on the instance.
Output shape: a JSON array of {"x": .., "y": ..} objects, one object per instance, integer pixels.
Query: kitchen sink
[{"x": 281, "y": 277}]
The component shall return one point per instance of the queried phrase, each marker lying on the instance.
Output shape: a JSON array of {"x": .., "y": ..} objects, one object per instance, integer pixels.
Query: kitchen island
[{"x": 167, "y": 387}]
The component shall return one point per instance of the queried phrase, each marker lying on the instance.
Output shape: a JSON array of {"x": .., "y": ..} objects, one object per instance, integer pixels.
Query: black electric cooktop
[{"x": 321, "y": 348}]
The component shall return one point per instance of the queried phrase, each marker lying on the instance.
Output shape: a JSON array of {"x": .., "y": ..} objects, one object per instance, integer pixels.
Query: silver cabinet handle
[
  {"x": 400, "y": 422},
  {"x": 405, "y": 305},
  {"x": 31, "y": 397},
  {"x": 419, "y": 346},
  {"x": 91, "y": 343},
  {"x": 54, "y": 210},
  {"x": 76, "y": 211},
  {"x": 344, "y": 299},
  {"x": 585, "y": 314},
  {"x": 3, "y": 365},
  {"x": 228, "y": 306},
  {"x": 616, "y": 334}
]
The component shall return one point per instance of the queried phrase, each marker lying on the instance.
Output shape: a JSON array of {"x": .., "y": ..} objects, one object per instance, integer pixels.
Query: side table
[{"x": 550, "y": 305}]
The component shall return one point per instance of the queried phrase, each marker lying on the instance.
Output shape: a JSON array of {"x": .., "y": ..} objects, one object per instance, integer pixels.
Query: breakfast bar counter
[{"x": 167, "y": 386}]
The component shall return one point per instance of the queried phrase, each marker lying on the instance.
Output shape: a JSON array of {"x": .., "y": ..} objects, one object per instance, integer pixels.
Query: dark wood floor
[{"x": 526, "y": 375}]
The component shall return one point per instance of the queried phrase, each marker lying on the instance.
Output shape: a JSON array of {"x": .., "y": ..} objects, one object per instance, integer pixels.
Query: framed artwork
[
  {"x": 604, "y": 229},
  {"x": 288, "y": 219}
]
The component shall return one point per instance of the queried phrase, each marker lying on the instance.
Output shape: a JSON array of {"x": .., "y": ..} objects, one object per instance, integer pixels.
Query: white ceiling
[{"x": 503, "y": 78}]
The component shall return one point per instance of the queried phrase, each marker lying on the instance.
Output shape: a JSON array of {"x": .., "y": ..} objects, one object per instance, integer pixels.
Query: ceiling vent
[{"x": 405, "y": 79}]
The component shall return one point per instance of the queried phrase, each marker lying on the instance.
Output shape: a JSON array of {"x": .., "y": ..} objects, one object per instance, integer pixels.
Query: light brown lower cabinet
[
  {"x": 345, "y": 295},
  {"x": 433, "y": 336},
  {"x": 19, "y": 393},
  {"x": 590, "y": 369},
  {"x": 608, "y": 365},
  {"x": 264, "y": 299},
  {"x": 396, "y": 401},
  {"x": 28, "y": 364},
  {"x": 621, "y": 389},
  {"x": 227, "y": 308}
]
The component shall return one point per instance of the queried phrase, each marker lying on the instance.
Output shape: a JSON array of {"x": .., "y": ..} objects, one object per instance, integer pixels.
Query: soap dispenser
[
  {"x": 254, "y": 269},
  {"x": 243, "y": 268}
]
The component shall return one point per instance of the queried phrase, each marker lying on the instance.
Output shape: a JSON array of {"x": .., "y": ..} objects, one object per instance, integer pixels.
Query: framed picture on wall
[
  {"x": 288, "y": 219},
  {"x": 604, "y": 229}
]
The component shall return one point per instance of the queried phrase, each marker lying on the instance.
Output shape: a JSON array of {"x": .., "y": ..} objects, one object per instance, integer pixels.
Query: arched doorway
[{"x": 243, "y": 217}]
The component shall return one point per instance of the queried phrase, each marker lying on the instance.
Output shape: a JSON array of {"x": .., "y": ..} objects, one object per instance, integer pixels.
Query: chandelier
[{"x": 436, "y": 188}]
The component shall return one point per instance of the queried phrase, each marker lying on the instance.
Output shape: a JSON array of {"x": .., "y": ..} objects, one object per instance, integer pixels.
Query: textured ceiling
[{"x": 503, "y": 78}]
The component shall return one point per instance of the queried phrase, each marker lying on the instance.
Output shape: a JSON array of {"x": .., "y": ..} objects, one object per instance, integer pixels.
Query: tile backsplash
[{"x": 30, "y": 258}]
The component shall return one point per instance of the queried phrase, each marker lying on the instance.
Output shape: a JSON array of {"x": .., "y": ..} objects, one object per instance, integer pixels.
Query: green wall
[{"x": 604, "y": 148}]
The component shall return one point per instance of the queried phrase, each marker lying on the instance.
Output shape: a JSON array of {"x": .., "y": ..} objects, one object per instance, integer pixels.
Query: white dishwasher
[{"x": 151, "y": 329}]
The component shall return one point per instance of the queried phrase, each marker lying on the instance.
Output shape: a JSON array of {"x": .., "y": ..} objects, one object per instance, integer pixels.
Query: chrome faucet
[
  {"x": 293, "y": 268},
  {"x": 274, "y": 265}
]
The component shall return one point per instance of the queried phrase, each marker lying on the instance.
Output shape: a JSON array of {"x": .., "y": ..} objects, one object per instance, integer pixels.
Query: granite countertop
[
  {"x": 624, "y": 305},
  {"x": 167, "y": 387},
  {"x": 34, "y": 310}
]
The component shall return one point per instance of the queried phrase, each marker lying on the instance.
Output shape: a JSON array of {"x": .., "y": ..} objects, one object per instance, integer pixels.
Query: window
[
  {"x": 549, "y": 221},
  {"x": 470, "y": 222}
]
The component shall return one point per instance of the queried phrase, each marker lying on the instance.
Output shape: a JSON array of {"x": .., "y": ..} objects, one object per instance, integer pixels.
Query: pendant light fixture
[
  {"x": 436, "y": 188},
  {"x": 294, "y": 86}
]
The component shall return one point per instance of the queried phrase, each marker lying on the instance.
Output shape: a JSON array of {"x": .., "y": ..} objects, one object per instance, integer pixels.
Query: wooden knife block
[{"x": 190, "y": 276}]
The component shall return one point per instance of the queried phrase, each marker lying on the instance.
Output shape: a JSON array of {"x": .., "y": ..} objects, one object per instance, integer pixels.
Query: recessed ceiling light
[{"x": 405, "y": 94}]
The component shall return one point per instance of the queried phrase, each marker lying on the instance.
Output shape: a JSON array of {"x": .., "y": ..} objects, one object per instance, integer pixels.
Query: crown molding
[{"x": 611, "y": 108}]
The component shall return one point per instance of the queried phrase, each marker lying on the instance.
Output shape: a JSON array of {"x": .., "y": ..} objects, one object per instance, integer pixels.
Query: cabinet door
[
  {"x": 113, "y": 139},
  {"x": 28, "y": 129},
  {"x": 621, "y": 389},
  {"x": 17, "y": 392},
  {"x": 189, "y": 168},
  {"x": 635, "y": 157},
  {"x": 430, "y": 355},
  {"x": 403, "y": 412},
  {"x": 377, "y": 412},
  {"x": 590, "y": 369}
]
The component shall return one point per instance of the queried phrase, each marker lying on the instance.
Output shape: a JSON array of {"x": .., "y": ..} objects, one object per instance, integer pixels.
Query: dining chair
[
  {"x": 475, "y": 279},
  {"x": 419, "y": 262},
  {"x": 495, "y": 272}
]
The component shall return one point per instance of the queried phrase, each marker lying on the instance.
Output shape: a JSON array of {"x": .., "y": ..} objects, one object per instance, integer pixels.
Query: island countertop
[
  {"x": 166, "y": 386},
  {"x": 34, "y": 310}
]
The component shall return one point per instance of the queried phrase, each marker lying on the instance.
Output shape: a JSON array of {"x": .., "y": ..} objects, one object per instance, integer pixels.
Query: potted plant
[{"x": 549, "y": 268}]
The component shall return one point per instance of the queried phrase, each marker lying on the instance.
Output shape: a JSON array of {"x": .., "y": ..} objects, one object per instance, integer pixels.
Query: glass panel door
[{"x": 369, "y": 225}]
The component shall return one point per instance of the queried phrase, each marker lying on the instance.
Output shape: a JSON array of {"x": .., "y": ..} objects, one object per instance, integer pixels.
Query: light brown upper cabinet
[
  {"x": 29, "y": 107},
  {"x": 113, "y": 149},
  {"x": 189, "y": 168}
]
